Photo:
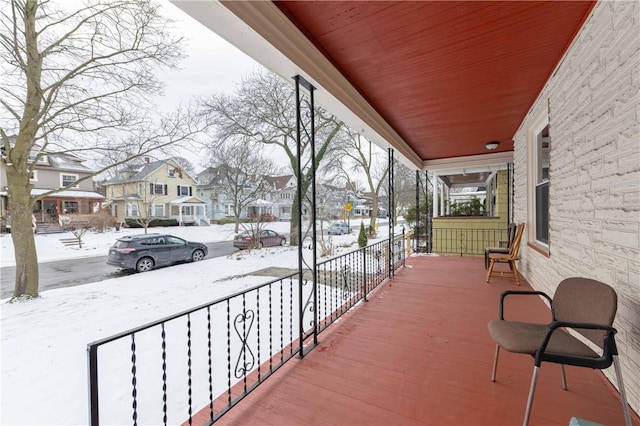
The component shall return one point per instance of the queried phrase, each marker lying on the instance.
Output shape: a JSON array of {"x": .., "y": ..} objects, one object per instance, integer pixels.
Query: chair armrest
[
  {"x": 591, "y": 326},
  {"x": 598, "y": 363},
  {"x": 521, "y": 293}
]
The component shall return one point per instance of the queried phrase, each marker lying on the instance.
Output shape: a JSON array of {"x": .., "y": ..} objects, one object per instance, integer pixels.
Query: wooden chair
[
  {"x": 504, "y": 250},
  {"x": 510, "y": 258},
  {"x": 585, "y": 306}
]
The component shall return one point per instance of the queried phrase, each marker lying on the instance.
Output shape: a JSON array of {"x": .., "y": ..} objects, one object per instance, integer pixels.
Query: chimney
[{"x": 146, "y": 160}]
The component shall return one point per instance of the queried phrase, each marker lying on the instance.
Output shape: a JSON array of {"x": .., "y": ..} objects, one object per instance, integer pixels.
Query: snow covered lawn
[{"x": 44, "y": 362}]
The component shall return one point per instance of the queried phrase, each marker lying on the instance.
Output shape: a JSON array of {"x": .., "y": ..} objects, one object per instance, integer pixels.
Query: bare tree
[
  {"x": 77, "y": 81},
  {"x": 242, "y": 169},
  {"x": 263, "y": 111},
  {"x": 357, "y": 154},
  {"x": 405, "y": 188},
  {"x": 144, "y": 204}
]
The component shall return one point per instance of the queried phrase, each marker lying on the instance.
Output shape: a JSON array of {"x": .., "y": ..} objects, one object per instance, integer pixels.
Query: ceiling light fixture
[{"x": 492, "y": 145}]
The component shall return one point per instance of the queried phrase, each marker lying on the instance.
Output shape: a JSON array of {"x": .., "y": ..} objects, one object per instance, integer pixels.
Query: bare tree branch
[{"x": 79, "y": 82}]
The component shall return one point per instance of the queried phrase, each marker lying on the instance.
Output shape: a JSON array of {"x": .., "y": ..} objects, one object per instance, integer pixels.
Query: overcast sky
[{"x": 213, "y": 65}]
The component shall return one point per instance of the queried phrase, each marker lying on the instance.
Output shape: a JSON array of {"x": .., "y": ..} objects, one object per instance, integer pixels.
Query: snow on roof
[
  {"x": 69, "y": 194},
  {"x": 187, "y": 200}
]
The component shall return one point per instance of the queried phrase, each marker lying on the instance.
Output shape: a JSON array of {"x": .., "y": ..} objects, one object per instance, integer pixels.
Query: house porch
[{"x": 418, "y": 352}]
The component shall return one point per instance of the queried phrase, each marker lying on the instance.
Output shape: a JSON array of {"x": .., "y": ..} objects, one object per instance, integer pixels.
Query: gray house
[{"x": 53, "y": 172}]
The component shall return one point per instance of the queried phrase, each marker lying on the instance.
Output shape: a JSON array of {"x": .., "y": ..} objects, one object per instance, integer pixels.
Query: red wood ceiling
[{"x": 448, "y": 76}]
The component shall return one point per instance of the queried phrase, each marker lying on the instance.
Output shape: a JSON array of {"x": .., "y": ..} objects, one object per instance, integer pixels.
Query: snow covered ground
[{"x": 43, "y": 345}]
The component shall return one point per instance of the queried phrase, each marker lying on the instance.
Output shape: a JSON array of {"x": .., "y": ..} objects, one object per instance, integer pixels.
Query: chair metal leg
[
  {"x": 495, "y": 364},
  {"x": 564, "y": 377},
  {"x": 532, "y": 389},
  {"x": 623, "y": 396}
]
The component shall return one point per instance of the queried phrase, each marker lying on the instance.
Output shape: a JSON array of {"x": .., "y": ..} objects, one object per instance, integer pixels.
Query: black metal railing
[
  {"x": 465, "y": 241},
  {"x": 210, "y": 357}
]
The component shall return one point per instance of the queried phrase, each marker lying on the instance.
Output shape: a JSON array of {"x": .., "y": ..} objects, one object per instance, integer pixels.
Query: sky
[
  {"x": 43, "y": 341},
  {"x": 213, "y": 65}
]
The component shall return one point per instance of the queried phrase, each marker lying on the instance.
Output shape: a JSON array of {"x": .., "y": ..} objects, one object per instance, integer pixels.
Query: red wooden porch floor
[{"x": 419, "y": 353}]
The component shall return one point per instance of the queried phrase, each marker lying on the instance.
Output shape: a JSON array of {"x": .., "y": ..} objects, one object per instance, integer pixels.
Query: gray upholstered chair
[
  {"x": 511, "y": 233},
  {"x": 588, "y": 307}
]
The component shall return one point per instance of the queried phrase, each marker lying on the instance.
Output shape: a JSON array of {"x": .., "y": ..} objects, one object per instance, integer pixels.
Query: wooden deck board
[{"x": 419, "y": 353}]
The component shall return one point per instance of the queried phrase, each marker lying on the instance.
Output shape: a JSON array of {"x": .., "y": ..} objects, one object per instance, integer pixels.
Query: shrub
[
  {"x": 226, "y": 220},
  {"x": 362, "y": 237},
  {"x": 132, "y": 223},
  {"x": 101, "y": 222}
]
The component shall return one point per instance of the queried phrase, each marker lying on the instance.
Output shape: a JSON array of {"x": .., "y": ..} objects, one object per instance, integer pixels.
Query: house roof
[
  {"x": 187, "y": 200},
  {"x": 142, "y": 171},
  {"x": 67, "y": 162},
  {"x": 279, "y": 182}
]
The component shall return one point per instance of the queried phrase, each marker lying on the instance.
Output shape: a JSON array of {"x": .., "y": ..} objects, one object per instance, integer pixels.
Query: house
[
  {"x": 546, "y": 91},
  {"x": 210, "y": 189},
  {"x": 222, "y": 188},
  {"x": 55, "y": 171},
  {"x": 551, "y": 90},
  {"x": 281, "y": 191},
  {"x": 155, "y": 189}
]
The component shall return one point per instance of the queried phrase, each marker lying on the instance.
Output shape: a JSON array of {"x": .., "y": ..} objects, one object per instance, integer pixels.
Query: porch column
[
  {"x": 436, "y": 195},
  {"x": 305, "y": 132},
  {"x": 446, "y": 207}
]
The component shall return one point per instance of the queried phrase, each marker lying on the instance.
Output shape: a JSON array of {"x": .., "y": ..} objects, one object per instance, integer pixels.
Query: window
[
  {"x": 67, "y": 180},
  {"x": 184, "y": 190},
  {"x": 70, "y": 207},
  {"x": 140, "y": 188},
  {"x": 541, "y": 180},
  {"x": 42, "y": 159},
  {"x": 156, "y": 210},
  {"x": 33, "y": 177},
  {"x": 131, "y": 210},
  {"x": 174, "y": 172},
  {"x": 157, "y": 189}
]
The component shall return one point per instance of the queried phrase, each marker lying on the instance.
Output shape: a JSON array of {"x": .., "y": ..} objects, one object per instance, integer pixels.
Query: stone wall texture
[{"x": 593, "y": 105}]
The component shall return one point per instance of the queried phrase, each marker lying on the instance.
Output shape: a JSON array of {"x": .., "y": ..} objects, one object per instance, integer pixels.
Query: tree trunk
[
  {"x": 21, "y": 210},
  {"x": 374, "y": 214},
  {"x": 293, "y": 228}
]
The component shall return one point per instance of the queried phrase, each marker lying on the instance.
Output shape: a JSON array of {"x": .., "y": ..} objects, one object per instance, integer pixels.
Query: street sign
[{"x": 348, "y": 207}]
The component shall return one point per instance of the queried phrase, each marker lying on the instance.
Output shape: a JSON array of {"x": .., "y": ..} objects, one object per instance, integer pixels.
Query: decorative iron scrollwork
[
  {"x": 346, "y": 290},
  {"x": 309, "y": 306},
  {"x": 246, "y": 360}
]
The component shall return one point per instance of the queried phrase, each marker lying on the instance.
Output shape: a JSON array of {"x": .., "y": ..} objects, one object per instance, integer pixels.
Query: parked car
[
  {"x": 267, "y": 238},
  {"x": 145, "y": 252},
  {"x": 339, "y": 228}
]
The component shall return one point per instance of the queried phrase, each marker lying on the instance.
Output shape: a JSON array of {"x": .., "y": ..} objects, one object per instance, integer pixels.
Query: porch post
[
  {"x": 305, "y": 128},
  {"x": 436, "y": 205},
  {"x": 392, "y": 213},
  {"x": 417, "y": 234}
]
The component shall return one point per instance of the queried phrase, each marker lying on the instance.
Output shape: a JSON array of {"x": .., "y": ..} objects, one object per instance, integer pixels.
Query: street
[{"x": 67, "y": 273}]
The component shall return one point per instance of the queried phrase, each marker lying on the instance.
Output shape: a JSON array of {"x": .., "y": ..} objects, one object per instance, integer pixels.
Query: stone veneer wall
[{"x": 593, "y": 107}]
